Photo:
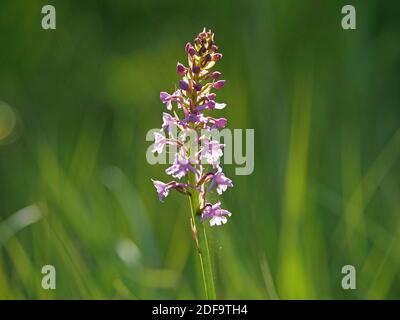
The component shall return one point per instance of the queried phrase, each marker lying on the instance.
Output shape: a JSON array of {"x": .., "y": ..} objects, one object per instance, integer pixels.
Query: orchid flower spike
[{"x": 189, "y": 108}]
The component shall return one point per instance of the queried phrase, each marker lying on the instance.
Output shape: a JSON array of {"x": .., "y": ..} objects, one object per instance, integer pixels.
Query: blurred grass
[{"x": 75, "y": 188}]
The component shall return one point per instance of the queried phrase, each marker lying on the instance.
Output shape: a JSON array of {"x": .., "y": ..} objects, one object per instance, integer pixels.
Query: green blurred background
[{"x": 75, "y": 189}]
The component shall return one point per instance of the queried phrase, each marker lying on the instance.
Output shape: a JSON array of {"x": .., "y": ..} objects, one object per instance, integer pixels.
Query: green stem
[{"x": 200, "y": 236}]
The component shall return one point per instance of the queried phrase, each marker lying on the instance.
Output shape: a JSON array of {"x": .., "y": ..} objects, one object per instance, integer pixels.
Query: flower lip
[
  {"x": 221, "y": 182},
  {"x": 163, "y": 188},
  {"x": 159, "y": 142},
  {"x": 168, "y": 122},
  {"x": 181, "y": 167},
  {"x": 211, "y": 151},
  {"x": 165, "y": 96},
  {"x": 216, "y": 214}
]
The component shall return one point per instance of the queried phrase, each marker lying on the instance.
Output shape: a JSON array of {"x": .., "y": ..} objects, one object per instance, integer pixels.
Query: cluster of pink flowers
[{"x": 190, "y": 106}]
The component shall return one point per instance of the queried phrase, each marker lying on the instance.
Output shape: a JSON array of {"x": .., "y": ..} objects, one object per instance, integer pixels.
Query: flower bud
[
  {"x": 220, "y": 123},
  {"x": 197, "y": 86},
  {"x": 217, "y": 56},
  {"x": 219, "y": 84},
  {"x": 189, "y": 49},
  {"x": 215, "y": 75},
  {"x": 184, "y": 85},
  {"x": 180, "y": 69},
  {"x": 211, "y": 96},
  {"x": 187, "y": 46},
  {"x": 196, "y": 69},
  {"x": 207, "y": 57}
]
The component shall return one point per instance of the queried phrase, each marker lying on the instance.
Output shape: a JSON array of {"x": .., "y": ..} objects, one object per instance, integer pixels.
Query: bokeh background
[{"x": 75, "y": 189}]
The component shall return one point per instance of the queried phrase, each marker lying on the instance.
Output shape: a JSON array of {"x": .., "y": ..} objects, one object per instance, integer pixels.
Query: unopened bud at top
[
  {"x": 189, "y": 49},
  {"x": 202, "y": 50}
]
